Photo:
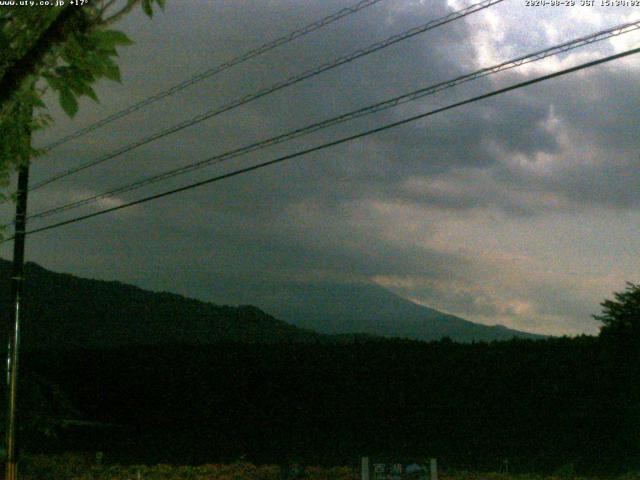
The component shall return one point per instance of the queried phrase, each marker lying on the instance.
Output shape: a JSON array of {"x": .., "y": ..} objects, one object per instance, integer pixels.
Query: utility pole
[
  {"x": 17, "y": 280},
  {"x": 24, "y": 113}
]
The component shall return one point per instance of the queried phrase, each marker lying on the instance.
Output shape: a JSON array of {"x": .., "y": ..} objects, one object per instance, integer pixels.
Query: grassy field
[{"x": 79, "y": 467}]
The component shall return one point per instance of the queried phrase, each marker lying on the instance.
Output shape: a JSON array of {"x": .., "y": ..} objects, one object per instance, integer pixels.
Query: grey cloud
[{"x": 312, "y": 217}]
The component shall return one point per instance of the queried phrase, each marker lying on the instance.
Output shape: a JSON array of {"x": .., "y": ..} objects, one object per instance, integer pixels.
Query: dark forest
[{"x": 544, "y": 405}]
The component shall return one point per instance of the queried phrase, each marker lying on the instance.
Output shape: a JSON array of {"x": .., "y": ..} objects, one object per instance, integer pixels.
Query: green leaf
[
  {"x": 38, "y": 103},
  {"x": 54, "y": 82},
  {"x": 95, "y": 64},
  {"x": 74, "y": 83},
  {"x": 161, "y": 3},
  {"x": 68, "y": 102},
  {"x": 91, "y": 93},
  {"x": 146, "y": 7},
  {"x": 112, "y": 72},
  {"x": 107, "y": 39}
]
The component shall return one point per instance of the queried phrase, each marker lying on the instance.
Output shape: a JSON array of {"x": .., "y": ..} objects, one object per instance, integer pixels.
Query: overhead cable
[
  {"x": 275, "y": 87},
  {"x": 393, "y": 102},
  {"x": 335, "y": 142},
  {"x": 312, "y": 27}
]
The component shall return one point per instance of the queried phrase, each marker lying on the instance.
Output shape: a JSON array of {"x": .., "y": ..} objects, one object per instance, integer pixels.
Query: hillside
[
  {"x": 341, "y": 308},
  {"x": 64, "y": 311}
]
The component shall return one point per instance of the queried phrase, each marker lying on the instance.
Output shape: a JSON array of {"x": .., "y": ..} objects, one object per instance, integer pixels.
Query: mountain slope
[
  {"x": 64, "y": 311},
  {"x": 333, "y": 309}
]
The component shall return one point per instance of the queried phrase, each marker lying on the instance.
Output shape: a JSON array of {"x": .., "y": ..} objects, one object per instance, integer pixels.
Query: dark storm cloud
[
  {"x": 356, "y": 212},
  {"x": 517, "y": 122},
  {"x": 599, "y": 164}
]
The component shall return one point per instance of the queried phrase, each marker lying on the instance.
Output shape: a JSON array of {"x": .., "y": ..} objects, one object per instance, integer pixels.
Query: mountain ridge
[
  {"x": 368, "y": 308},
  {"x": 62, "y": 310},
  {"x": 122, "y": 314}
]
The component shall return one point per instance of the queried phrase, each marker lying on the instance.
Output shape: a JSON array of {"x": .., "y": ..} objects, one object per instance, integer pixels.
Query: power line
[
  {"x": 337, "y": 142},
  {"x": 430, "y": 90},
  {"x": 312, "y": 27},
  {"x": 277, "y": 86}
]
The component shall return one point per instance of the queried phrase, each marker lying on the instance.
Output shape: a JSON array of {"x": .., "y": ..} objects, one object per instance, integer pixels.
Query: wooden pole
[{"x": 17, "y": 280}]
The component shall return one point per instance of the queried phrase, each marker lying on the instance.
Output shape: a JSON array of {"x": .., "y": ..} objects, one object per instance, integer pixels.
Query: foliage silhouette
[{"x": 621, "y": 317}]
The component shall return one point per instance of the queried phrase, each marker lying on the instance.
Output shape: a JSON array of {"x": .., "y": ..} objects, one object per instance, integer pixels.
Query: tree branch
[
  {"x": 70, "y": 20},
  {"x": 106, "y": 6},
  {"x": 16, "y": 46},
  {"x": 118, "y": 15}
]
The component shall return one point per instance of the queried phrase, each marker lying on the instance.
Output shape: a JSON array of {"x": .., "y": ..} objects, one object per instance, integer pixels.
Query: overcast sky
[{"x": 522, "y": 209}]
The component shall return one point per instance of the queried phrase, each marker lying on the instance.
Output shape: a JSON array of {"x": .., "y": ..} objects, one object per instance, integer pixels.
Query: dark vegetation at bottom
[{"x": 541, "y": 404}]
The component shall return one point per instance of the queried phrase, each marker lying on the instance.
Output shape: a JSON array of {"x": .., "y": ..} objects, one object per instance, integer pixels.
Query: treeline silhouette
[{"x": 559, "y": 403}]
